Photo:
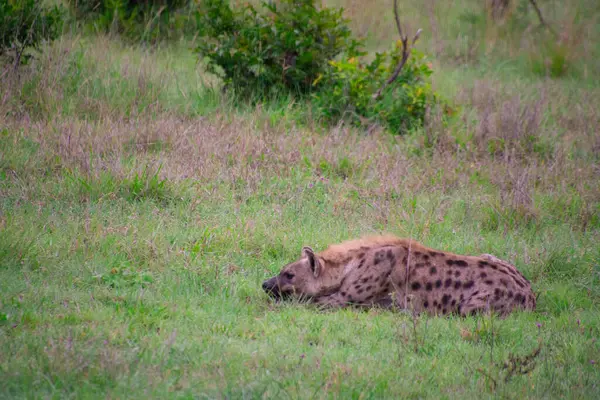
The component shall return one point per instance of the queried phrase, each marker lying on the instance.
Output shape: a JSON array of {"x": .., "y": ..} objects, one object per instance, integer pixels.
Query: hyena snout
[{"x": 271, "y": 286}]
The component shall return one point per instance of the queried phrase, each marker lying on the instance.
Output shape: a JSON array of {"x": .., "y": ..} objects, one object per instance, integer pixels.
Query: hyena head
[{"x": 298, "y": 279}]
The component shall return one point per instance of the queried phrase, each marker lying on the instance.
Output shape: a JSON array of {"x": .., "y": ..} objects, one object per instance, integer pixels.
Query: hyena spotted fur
[{"x": 393, "y": 272}]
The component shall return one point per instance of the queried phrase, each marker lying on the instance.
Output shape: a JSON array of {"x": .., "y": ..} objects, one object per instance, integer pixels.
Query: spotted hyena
[{"x": 389, "y": 271}]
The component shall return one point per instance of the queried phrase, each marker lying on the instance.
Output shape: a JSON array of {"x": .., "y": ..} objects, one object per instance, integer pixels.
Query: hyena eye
[{"x": 288, "y": 275}]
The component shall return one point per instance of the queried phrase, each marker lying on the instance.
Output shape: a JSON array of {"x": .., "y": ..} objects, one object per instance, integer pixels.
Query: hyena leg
[
  {"x": 479, "y": 303},
  {"x": 335, "y": 300},
  {"x": 484, "y": 303}
]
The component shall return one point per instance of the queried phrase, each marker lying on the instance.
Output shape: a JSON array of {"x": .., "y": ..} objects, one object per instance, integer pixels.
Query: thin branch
[
  {"x": 18, "y": 54},
  {"x": 541, "y": 17},
  {"x": 405, "y": 52},
  {"x": 416, "y": 37},
  {"x": 490, "y": 377},
  {"x": 398, "y": 20}
]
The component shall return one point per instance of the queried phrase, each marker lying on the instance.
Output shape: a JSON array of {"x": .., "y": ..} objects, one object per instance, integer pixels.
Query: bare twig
[
  {"x": 521, "y": 365},
  {"x": 405, "y": 52},
  {"x": 397, "y": 19},
  {"x": 541, "y": 17},
  {"x": 493, "y": 381},
  {"x": 407, "y": 273},
  {"x": 18, "y": 54}
]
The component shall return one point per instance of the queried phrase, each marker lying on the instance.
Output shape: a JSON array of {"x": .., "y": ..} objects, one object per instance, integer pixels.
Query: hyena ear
[{"x": 313, "y": 260}]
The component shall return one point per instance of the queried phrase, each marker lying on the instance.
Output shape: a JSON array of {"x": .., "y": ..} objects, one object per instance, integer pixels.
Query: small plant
[
  {"x": 418, "y": 341},
  {"x": 124, "y": 277},
  {"x": 18, "y": 251},
  {"x": 520, "y": 365},
  {"x": 146, "y": 186},
  {"x": 503, "y": 371},
  {"x": 284, "y": 49},
  {"x": 551, "y": 60},
  {"x": 346, "y": 91},
  {"x": 391, "y": 91},
  {"x": 25, "y": 25},
  {"x": 515, "y": 365},
  {"x": 141, "y": 186}
]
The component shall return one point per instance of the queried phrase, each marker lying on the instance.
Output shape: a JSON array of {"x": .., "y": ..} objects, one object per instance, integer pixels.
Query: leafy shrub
[
  {"x": 345, "y": 91},
  {"x": 136, "y": 19},
  {"x": 283, "y": 49},
  {"x": 25, "y": 24},
  {"x": 294, "y": 48},
  {"x": 550, "y": 59}
]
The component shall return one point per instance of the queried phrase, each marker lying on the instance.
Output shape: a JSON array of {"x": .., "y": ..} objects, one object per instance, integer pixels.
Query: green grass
[
  {"x": 123, "y": 297},
  {"x": 140, "y": 211}
]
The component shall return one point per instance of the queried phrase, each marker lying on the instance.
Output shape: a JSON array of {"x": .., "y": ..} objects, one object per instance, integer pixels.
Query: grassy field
[{"x": 141, "y": 209}]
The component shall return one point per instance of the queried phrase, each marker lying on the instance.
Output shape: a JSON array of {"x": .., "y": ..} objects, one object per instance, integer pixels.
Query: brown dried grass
[{"x": 248, "y": 148}]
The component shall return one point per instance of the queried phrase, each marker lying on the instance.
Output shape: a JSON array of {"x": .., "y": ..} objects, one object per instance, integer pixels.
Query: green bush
[
  {"x": 24, "y": 25},
  {"x": 294, "y": 48},
  {"x": 149, "y": 20},
  {"x": 550, "y": 59},
  {"x": 283, "y": 49},
  {"x": 345, "y": 91}
]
